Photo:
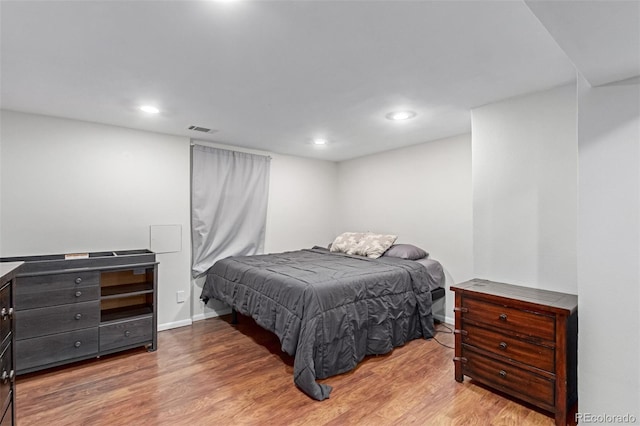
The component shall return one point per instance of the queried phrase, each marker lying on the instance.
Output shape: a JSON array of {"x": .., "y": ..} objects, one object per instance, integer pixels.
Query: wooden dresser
[
  {"x": 7, "y": 342},
  {"x": 519, "y": 340},
  {"x": 70, "y": 309}
]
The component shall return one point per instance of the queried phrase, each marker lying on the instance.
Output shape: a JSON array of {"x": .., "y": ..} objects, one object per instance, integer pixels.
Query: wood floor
[{"x": 214, "y": 373}]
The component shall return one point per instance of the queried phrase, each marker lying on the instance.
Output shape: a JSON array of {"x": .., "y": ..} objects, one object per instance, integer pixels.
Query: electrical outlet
[{"x": 180, "y": 296}]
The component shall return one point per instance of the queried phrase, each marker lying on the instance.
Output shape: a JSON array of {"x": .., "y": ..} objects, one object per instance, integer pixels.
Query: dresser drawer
[
  {"x": 5, "y": 308},
  {"x": 59, "y": 347},
  {"x": 518, "y": 382},
  {"x": 6, "y": 375},
  {"x": 126, "y": 333},
  {"x": 33, "y": 291},
  {"x": 521, "y": 322},
  {"x": 59, "y": 281},
  {"x": 78, "y": 294},
  {"x": 43, "y": 321},
  {"x": 538, "y": 356}
]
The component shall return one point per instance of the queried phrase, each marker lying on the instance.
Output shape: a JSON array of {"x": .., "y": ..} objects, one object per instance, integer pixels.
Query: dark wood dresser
[
  {"x": 519, "y": 340},
  {"x": 68, "y": 309},
  {"x": 7, "y": 338}
]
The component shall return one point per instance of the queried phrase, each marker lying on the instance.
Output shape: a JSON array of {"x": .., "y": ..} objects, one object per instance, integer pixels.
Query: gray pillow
[{"x": 406, "y": 251}]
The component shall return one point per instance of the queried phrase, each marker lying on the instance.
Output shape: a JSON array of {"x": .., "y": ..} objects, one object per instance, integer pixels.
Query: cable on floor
[{"x": 444, "y": 332}]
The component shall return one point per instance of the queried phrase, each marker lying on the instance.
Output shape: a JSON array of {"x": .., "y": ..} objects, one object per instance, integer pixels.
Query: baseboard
[
  {"x": 443, "y": 319},
  {"x": 211, "y": 314},
  {"x": 175, "y": 324}
]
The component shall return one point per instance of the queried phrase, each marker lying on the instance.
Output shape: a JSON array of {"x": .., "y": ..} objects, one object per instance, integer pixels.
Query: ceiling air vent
[{"x": 201, "y": 129}]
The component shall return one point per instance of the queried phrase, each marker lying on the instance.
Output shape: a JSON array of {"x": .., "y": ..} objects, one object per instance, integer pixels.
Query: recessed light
[
  {"x": 319, "y": 141},
  {"x": 149, "y": 109},
  {"x": 400, "y": 115}
]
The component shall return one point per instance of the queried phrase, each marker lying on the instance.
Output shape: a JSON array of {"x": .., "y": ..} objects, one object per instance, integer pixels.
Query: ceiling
[{"x": 273, "y": 75}]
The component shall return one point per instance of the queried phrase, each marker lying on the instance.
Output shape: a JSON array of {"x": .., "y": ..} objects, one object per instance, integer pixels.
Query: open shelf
[
  {"x": 126, "y": 312},
  {"x": 126, "y": 290},
  {"x": 120, "y": 290},
  {"x": 125, "y": 277}
]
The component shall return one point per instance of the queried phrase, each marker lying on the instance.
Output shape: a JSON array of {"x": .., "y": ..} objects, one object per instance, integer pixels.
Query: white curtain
[{"x": 229, "y": 193}]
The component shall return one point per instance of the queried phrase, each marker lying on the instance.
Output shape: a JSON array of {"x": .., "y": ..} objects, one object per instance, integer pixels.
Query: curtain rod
[{"x": 205, "y": 144}]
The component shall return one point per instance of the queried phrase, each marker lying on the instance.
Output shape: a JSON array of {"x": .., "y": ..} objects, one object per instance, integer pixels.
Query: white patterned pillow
[
  {"x": 373, "y": 245},
  {"x": 347, "y": 242}
]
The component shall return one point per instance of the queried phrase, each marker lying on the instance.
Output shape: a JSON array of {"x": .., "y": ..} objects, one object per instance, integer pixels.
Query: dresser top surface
[
  {"x": 61, "y": 263},
  {"x": 538, "y": 296},
  {"x": 8, "y": 267}
]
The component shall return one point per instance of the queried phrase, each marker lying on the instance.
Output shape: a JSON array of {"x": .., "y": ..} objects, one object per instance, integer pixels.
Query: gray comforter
[{"x": 329, "y": 310}]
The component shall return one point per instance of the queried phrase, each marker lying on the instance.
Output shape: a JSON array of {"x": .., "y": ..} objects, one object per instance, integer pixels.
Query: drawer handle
[
  {"x": 78, "y": 293},
  {"x": 502, "y": 317},
  {"x": 78, "y": 280},
  {"x": 463, "y": 332},
  {"x": 456, "y": 309},
  {"x": 502, "y": 345},
  {"x": 127, "y": 333},
  {"x": 7, "y": 376},
  {"x": 77, "y": 344},
  {"x": 503, "y": 374},
  {"x": 460, "y": 358},
  {"x": 6, "y": 313},
  {"x": 78, "y": 316}
]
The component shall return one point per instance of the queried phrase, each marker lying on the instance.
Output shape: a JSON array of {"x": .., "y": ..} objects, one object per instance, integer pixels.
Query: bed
[{"x": 330, "y": 309}]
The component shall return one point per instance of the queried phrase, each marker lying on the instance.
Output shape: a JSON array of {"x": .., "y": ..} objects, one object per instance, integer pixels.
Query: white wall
[
  {"x": 302, "y": 200},
  {"x": 609, "y": 248},
  {"x": 422, "y": 194},
  {"x": 72, "y": 186},
  {"x": 525, "y": 190}
]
